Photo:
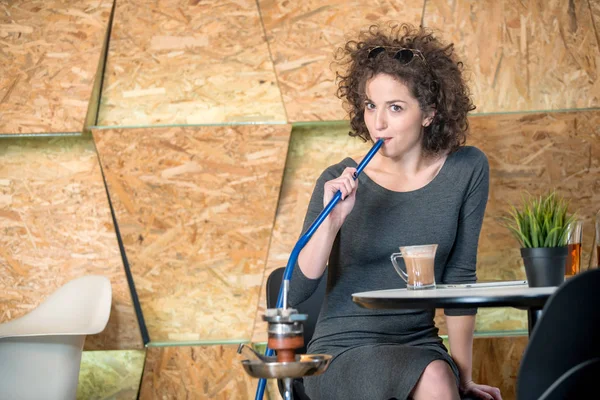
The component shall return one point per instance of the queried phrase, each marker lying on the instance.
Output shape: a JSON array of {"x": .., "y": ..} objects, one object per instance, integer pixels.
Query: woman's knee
[
  {"x": 437, "y": 371},
  {"x": 436, "y": 382}
]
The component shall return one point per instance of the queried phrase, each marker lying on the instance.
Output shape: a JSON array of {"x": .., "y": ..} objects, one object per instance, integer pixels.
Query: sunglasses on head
[
  {"x": 402, "y": 54},
  {"x": 405, "y": 57}
]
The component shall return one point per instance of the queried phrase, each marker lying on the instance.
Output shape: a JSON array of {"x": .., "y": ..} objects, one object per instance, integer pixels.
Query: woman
[{"x": 423, "y": 187}]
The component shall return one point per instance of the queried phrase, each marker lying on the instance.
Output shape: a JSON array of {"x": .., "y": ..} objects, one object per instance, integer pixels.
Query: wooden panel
[
  {"x": 496, "y": 362},
  {"x": 49, "y": 52},
  {"x": 195, "y": 207},
  {"x": 188, "y": 62},
  {"x": 207, "y": 372},
  {"x": 523, "y": 55},
  {"x": 110, "y": 375},
  {"x": 56, "y": 226},
  {"x": 535, "y": 153},
  {"x": 595, "y": 9},
  {"x": 312, "y": 149},
  {"x": 303, "y": 37}
]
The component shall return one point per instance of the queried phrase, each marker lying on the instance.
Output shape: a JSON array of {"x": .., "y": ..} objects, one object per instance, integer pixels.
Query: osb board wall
[
  {"x": 188, "y": 62},
  {"x": 49, "y": 52},
  {"x": 56, "y": 226},
  {"x": 595, "y": 8},
  {"x": 303, "y": 37},
  {"x": 523, "y": 55},
  {"x": 110, "y": 375},
  {"x": 535, "y": 153},
  {"x": 198, "y": 372},
  {"x": 195, "y": 208},
  {"x": 496, "y": 362},
  {"x": 312, "y": 149}
]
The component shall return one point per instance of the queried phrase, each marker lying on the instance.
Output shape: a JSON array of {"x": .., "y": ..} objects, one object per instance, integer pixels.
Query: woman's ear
[{"x": 428, "y": 118}]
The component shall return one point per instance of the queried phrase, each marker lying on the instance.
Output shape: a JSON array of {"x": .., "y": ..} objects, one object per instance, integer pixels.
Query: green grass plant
[{"x": 541, "y": 221}]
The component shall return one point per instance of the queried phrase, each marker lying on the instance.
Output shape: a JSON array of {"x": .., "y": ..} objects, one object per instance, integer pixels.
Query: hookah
[{"x": 285, "y": 329}]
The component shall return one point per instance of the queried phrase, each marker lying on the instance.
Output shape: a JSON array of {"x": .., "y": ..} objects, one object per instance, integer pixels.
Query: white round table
[{"x": 518, "y": 296}]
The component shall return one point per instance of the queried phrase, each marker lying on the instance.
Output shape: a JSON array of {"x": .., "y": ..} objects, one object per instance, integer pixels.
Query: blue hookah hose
[{"x": 287, "y": 274}]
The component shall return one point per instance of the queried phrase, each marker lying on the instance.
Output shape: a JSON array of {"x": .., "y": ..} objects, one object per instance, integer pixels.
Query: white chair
[{"x": 40, "y": 353}]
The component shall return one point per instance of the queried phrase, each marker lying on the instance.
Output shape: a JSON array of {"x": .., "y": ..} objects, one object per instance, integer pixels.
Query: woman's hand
[
  {"x": 347, "y": 185},
  {"x": 481, "y": 391}
]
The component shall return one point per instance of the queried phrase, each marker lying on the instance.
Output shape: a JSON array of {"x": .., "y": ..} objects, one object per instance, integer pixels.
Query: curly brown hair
[{"x": 437, "y": 83}]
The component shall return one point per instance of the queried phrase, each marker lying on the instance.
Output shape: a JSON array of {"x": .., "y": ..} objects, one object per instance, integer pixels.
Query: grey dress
[{"x": 380, "y": 354}]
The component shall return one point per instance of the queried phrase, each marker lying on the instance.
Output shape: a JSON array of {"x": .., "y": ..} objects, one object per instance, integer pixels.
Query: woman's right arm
[{"x": 312, "y": 260}]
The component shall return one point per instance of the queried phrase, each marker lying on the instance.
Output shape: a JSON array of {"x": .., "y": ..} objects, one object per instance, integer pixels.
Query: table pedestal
[{"x": 533, "y": 315}]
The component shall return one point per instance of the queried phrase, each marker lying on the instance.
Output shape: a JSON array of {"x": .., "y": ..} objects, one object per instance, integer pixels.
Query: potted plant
[{"x": 541, "y": 227}]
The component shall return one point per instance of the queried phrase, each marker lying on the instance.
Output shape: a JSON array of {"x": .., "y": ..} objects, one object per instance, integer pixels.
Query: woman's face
[{"x": 392, "y": 113}]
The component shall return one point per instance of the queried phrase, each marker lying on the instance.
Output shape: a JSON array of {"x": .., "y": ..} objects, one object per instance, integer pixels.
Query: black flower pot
[{"x": 545, "y": 266}]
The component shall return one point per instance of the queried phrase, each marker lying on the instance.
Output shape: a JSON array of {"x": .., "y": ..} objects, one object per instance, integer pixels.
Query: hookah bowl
[{"x": 286, "y": 334}]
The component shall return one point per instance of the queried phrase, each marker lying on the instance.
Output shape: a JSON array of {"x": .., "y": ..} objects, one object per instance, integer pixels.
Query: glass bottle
[{"x": 595, "y": 251}]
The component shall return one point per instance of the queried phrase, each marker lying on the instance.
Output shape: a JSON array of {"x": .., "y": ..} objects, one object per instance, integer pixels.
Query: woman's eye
[
  {"x": 395, "y": 108},
  {"x": 369, "y": 106}
]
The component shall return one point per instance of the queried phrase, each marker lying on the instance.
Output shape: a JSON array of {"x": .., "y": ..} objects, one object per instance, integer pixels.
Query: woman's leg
[{"x": 437, "y": 382}]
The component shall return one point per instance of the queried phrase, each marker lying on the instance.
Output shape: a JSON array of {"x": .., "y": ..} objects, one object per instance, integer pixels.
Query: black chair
[
  {"x": 310, "y": 306},
  {"x": 562, "y": 359}
]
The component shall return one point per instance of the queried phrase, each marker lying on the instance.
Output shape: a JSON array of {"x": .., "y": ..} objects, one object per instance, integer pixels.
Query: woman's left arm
[
  {"x": 460, "y": 337},
  {"x": 461, "y": 269}
]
